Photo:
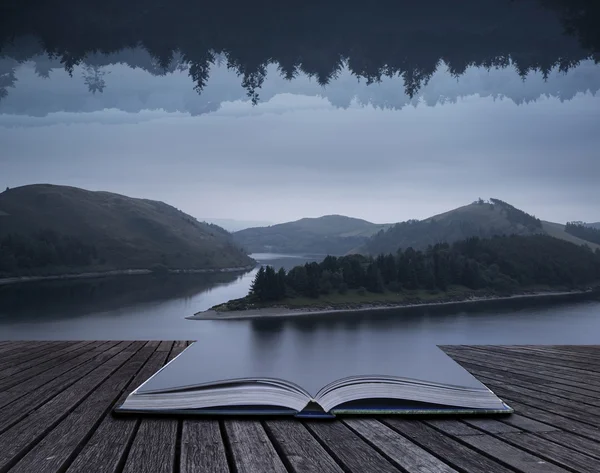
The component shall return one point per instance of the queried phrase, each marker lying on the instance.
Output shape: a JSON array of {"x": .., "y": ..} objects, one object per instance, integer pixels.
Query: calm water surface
[{"x": 153, "y": 308}]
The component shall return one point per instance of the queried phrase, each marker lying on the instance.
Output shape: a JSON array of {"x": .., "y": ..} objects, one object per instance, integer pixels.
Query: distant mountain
[
  {"x": 232, "y": 225},
  {"x": 481, "y": 219},
  {"x": 594, "y": 225},
  {"x": 52, "y": 229},
  {"x": 330, "y": 234}
]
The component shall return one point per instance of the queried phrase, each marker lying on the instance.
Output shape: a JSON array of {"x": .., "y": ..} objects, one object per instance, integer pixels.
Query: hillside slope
[
  {"x": 557, "y": 230},
  {"x": 481, "y": 219},
  {"x": 330, "y": 234},
  {"x": 50, "y": 229}
]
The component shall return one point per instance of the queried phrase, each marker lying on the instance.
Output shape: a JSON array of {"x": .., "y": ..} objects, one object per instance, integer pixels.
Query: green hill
[
  {"x": 48, "y": 229},
  {"x": 480, "y": 219},
  {"x": 330, "y": 234}
]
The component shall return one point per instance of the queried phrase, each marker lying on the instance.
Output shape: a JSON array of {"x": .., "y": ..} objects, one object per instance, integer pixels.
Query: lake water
[{"x": 146, "y": 307}]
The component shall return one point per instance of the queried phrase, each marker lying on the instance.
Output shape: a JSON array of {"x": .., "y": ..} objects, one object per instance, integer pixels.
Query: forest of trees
[
  {"x": 502, "y": 264},
  {"x": 20, "y": 253},
  {"x": 584, "y": 232},
  {"x": 251, "y": 36}
]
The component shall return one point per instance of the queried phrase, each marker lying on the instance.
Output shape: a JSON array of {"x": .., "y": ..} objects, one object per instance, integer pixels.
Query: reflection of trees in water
[
  {"x": 93, "y": 77},
  {"x": 78, "y": 297},
  {"x": 392, "y": 40}
]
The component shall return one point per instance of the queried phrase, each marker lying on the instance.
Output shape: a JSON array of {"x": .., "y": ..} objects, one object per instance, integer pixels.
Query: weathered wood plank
[
  {"x": 20, "y": 366},
  {"x": 23, "y": 404},
  {"x": 105, "y": 451},
  {"x": 581, "y": 395},
  {"x": 451, "y": 451},
  {"x": 575, "y": 442},
  {"x": 60, "y": 445},
  {"x": 511, "y": 456},
  {"x": 152, "y": 431},
  {"x": 46, "y": 381},
  {"x": 349, "y": 450},
  {"x": 301, "y": 450},
  {"x": 23, "y": 435},
  {"x": 543, "y": 375},
  {"x": 559, "y": 454},
  {"x": 528, "y": 425},
  {"x": 150, "y": 453},
  {"x": 524, "y": 367},
  {"x": 28, "y": 370},
  {"x": 251, "y": 449},
  {"x": 20, "y": 346},
  {"x": 556, "y": 420},
  {"x": 517, "y": 356},
  {"x": 491, "y": 426},
  {"x": 19, "y": 356},
  {"x": 398, "y": 449},
  {"x": 202, "y": 448}
]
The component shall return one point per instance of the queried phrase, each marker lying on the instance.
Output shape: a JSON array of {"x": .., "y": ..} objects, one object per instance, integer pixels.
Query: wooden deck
[{"x": 56, "y": 400}]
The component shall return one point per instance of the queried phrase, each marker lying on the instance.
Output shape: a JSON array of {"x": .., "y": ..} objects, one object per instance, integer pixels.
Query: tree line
[
  {"x": 584, "y": 232},
  {"x": 20, "y": 254},
  {"x": 503, "y": 264}
]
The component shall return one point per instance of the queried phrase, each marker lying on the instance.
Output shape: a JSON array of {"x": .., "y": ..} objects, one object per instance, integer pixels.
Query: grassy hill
[
  {"x": 330, "y": 234},
  {"x": 557, "y": 230},
  {"x": 51, "y": 229},
  {"x": 481, "y": 219}
]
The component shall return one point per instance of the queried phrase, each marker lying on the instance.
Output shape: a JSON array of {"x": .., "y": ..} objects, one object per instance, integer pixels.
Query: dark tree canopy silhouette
[
  {"x": 385, "y": 39},
  {"x": 504, "y": 265},
  {"x": 584, "y": 232}
]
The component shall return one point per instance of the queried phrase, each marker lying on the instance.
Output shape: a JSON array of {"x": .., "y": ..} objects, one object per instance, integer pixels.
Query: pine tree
[{"x": 257, "y": 288}]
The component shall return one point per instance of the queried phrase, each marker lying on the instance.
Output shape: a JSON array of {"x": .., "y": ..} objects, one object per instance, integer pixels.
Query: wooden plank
[
  {"x": 401, "y": 451},
  {"x": 516, "y": 355},
  {"x": 527, "y": 424},
  {"x": 20, "y": 347},
  {"x": 22, "y": 436},
  {"x": 556, "y": 420},
  {"x": 46, "y": 381},
  {"x": 251, "y": 449},
  {"x": 582, "y": 395},
  {"x": 491, "y": 363},
  {"x": 521, "y": 364},
  {"x": 574, "y": 442},
  {"x": 348, "y": 449},
  {"x": 155, "y": 431},
  {"x": 566, "y": 408},
  {"x": 300, "y": 450},
  {"x": 114, "y": 435},
  {"x": 32, "y": 368},
  {"x": 58, "y": 446},
  {"x": 37, "y": 351},
  {"x": 492, "y": 426},
  {"x": 24, "y": 404},
  {"x": 559, "y": 454},
  {"x": 510, "y": 455},
  {"x": 202, "y": 448},
  {"x": 150, "y": 452},
  {"x": 451, "y": 451},
  {"x": 453, "y": 427},
  {"x": 18, "y": 368}
]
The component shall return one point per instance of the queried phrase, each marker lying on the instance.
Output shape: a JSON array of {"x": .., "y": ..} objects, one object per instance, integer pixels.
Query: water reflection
[{"x": 322, "y": 42}]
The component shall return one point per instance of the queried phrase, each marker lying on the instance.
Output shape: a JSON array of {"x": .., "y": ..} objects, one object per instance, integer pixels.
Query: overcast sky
[{"x": 297, "y": 155}]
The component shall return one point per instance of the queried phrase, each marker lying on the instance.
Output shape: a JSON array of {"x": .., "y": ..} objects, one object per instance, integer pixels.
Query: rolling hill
[
  {"x": 330, "y": 234},
  {"x": 52, "y": 229},
  {"x": 481, "y": 219}
]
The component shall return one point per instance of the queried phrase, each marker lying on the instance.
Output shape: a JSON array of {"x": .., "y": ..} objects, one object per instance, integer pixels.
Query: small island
[{"x": 474, "y": 269}]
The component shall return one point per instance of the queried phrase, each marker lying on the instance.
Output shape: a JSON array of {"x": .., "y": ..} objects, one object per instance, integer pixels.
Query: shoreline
[
  {"x": 118, "y": 272},
  {"x": 212, "y": 314}
]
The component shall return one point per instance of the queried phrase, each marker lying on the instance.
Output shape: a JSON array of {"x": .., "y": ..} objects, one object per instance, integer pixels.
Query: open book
[{"x": 200, "y": 381}]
